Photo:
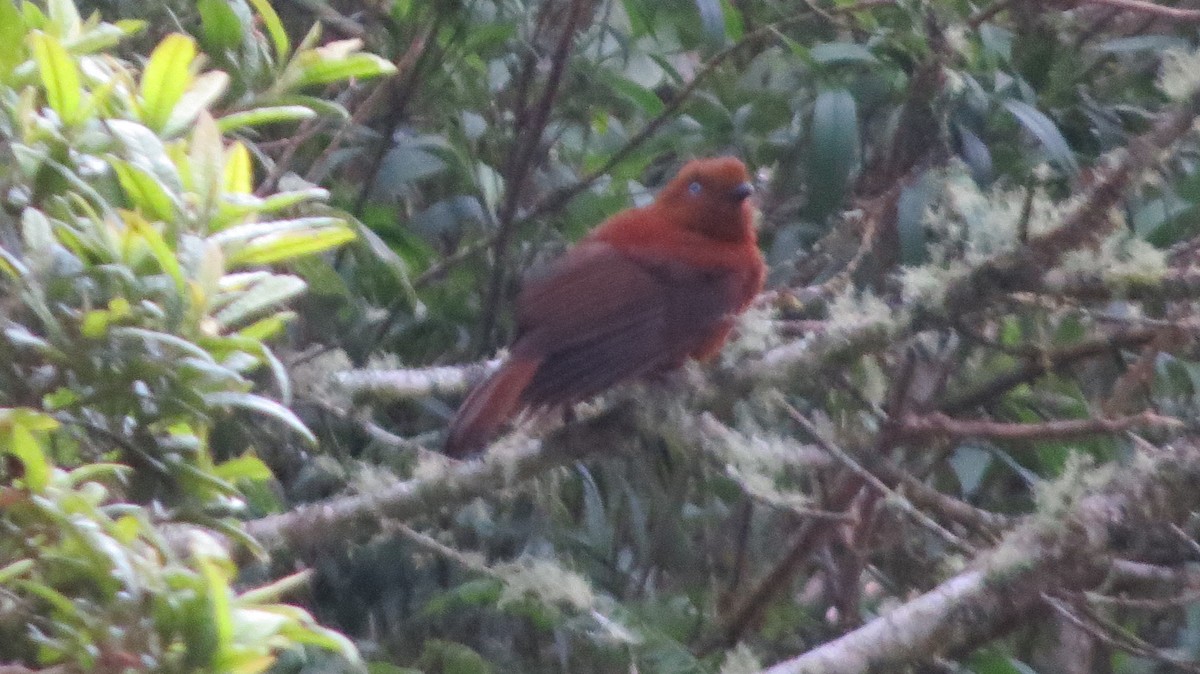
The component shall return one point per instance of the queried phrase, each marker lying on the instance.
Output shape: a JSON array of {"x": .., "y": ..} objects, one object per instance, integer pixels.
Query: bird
[{"x": 646, "y": 290}]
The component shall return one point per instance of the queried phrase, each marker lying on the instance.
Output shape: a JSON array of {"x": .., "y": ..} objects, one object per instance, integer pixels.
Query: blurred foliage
[
  {"x": 171, "y": 169},
  {"x": 139, "y": 283}
]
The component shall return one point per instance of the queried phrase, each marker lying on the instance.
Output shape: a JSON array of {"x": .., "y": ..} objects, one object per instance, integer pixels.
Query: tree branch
[
  {"x": 337, "y": 520},
  {"x": 938, "y": 425},
  {"x": 1073, "y": 551},
  {"x": 977, "y": 287}
]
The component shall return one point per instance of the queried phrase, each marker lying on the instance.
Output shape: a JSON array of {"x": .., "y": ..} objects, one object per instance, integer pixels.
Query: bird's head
[{"x": 712, "y": 197}]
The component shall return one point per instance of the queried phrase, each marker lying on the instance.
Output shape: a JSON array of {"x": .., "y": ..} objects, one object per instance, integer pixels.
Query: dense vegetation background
[{"x": 252, "y": 253}]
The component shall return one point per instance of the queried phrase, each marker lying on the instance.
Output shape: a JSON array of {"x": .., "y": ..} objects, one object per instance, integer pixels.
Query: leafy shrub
[{"x": 139, "y": 290}]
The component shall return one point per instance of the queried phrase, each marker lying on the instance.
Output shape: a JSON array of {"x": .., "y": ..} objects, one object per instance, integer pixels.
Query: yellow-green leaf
[
  {"x": 274, "y": 28},
  {"x": 207, "y": 159},
  {"x": 11, "y": 30},
  {"x": 219, "y": 597},
  {"x": 266, "y": 295},
  {"x": 167, "y": 261},
  {"x": 266, "y": 328},
  {"x": 332, "y": 63},
  {"x": 239, "y": 173},
  {"x": 64, "y": 18},
  {"x": 205, "y": 90},
  {"x": 144, "y": 190},
  {"x": 28, "y": 451},
  {"x": 275, "y": 248},
  {"x": 168, "y": 74},
  {"x": 18, "y": 568},
  {"x": 266, "y": 115},
  {"x": 245, "y": 467},
  {"x": 60, "y": 77}
]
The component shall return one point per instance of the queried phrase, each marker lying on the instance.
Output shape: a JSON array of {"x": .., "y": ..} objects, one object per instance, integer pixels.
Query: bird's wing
[{"x": 599, "y": 316}]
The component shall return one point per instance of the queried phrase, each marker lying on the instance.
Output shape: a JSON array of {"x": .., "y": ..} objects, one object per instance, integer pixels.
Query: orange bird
[{"x": 646, "y": 290}]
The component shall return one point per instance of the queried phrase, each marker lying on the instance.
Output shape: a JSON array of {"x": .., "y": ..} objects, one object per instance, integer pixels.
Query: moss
[
  {"x": 1123, "y": 259},
  {"x": 1179, "y": 74},
  {"x": 741, "y": 660},
  {"x": 545, "y": 580}
]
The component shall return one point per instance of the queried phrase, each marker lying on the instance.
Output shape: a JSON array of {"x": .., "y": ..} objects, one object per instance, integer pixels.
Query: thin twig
[
  {"x": 331, "y": 17},
  {"x": 867, "y": 476},
  {"x": 1041, "y": 363},
  {"x": 940, "y": 425},
  {"x": 370, "y": 104},
  {"x": 558, "y": 198},
  {"x": 1145, "y": 7},
  {"x": 527, "y": 149},
  {"x": 986, "y": 14},
  {"x": 1112, "y": 636}
]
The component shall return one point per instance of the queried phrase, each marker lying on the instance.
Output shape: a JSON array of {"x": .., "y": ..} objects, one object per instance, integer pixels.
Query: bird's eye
[{"x": 694, "y": 187}]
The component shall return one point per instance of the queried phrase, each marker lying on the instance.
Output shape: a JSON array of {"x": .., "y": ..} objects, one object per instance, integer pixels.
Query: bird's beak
[{"x": 742, "y": 192}]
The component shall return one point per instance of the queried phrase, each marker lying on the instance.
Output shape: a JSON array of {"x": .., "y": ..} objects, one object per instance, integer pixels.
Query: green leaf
[
  {"x": 205, "y": 90},
  {"x": 910, "y": 220},
  {"x": 265, "y": 406},
  {"x": 834, "y": 150},
  {"x": 320, "y": 106},
  {"x": 263, "y": 296},
  {"x": 64, "y": 18},
  {"x": 16, "y": 569},
  {"x": 263, "y": 354},
  {"x": 60, "y": 77},
  {"x": 242, "y": 234},
  {"x": 98, "y": 472},
  {"x": 393, "y": 263},
  {"x": 289, "y": 245},
  {"x": 206, "y": 156},
  {"x": 275, "y": 28},
  {"x": 144, "y": 190},
  {"x": 167, "y": 75},
  {"x": 218, "y": 597},
  {"x": 12, "y": 29},
  {"x": 245, "y": 467},
  {"x": 266, "y": 115},
  {"x": 311, "y": 633},
  {"x": 163, "y": 339},
  {"x": 734, "y": 28},
  {"x": 235, "y": 207},
  {"x": 712, "y": 20},
  {"x": 24, "y": 446},
  {"x": 102, "y": 37},
  {"x": 221, "y": 25},
  {"x": 162, "y": 252},
  {"x": 648, "y": 101},
  {"x": 239, "y": 173},
  {"x": 144, "y": 148},
  {"x": 266, "y": 328},
  {"x": 835, "y": 53},
  {"x": 1046, "y": 132},
  {"x": 327, "y": 64}
]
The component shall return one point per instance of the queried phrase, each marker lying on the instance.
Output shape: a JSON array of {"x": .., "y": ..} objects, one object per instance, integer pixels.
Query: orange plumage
[{"x": 646, "y": 290}]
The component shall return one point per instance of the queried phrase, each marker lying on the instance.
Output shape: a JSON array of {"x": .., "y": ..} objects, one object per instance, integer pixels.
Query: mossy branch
[
  {"x": 337, "y": 520},
  {"x": 1074, "y": 550}
]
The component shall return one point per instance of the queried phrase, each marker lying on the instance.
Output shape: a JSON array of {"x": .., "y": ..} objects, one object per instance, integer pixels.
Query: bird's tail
[{"x": 492, "y": 403}]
